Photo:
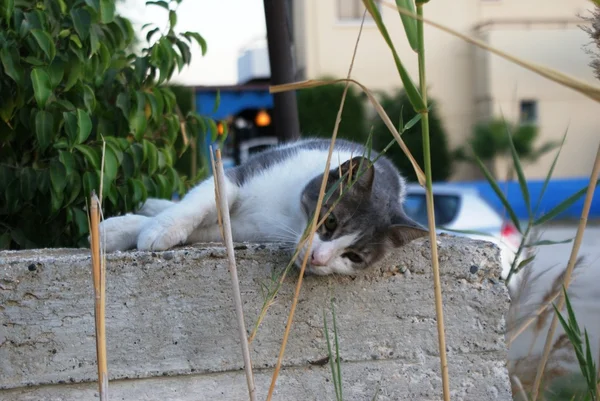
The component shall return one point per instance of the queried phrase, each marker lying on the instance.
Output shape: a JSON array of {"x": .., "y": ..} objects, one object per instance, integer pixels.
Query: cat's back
[{"x": 305, "y": 157}]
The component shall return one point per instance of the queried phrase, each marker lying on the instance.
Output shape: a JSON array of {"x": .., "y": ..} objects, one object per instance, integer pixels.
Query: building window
[
  {"x": 352, "y": 10},
  {"x": 529, "y": 112}
]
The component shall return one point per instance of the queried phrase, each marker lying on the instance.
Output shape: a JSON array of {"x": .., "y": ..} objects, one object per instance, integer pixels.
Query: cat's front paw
[
  {"x": 120, "y": 233},
  {"x": 161, "y": 233}
]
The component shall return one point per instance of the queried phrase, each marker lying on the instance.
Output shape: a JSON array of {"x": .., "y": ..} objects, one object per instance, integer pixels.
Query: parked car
[{"x": 464, "y": 209}]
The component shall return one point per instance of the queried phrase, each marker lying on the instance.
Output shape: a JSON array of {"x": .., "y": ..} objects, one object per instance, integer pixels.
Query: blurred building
[{"x": 470, "y": 84}]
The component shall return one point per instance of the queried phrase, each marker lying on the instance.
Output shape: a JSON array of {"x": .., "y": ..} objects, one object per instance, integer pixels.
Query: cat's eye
[
  {"x": 331, "y": 222},
  {"x": 353, "y": 256}
]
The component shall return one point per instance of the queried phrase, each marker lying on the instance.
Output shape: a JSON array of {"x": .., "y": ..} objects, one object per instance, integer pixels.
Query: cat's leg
[
  {"x": 120, "y": 233},
  {"x": 154, "y": 206},
  {"x": 174, "y": 225}
]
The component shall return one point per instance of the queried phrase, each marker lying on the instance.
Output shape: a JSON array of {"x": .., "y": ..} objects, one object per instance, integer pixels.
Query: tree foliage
[
  {"x": 318, "y": 108},
  {"x": 399, "y": 108},
  {"x": 489, "y": 140},
  {"x": 70, "y": 86}
]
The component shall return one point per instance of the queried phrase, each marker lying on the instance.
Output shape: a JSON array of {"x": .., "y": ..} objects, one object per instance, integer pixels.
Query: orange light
[
  {"x": 262, "y": 119},
  {"x": 220, "y": 128}
]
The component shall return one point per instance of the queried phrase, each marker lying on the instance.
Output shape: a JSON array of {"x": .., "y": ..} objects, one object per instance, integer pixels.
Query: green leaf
[
  {"x": 111, "y": 164},
  {"x": 64, "y": 33},
  {"x": 56, "y": 72},
  {"x": 128, "y": 165},
  {"x": 160, "y": 104},
  {"x": 67, "y": 159},
  {"x": 199, "y": 39},
  {"x": 74, "y": 73},
  {"x": 172, "y": 19},
  {"x": 75, "y": 39},
  {"x": 89, "y": 98},
  {"x": 81, "y": 219},
  {"x": 56, "y": 201},
  {"x": 91, "y": 182},
  {"x": 124, "y": 103},
  {"x": 7, "y": 7},
  {"x": 186, "y": 55},
  {"x": 162, "y": 4},
  {"x": 90, "y": 155},
  {"x": 409, "y": 23},
  {"x": 551, "y": 171},
  {"x": 525, "y": 262},
  {"x": 28, "y": 182},
  {"x": 58, "y": 176},
  {"x": 81, "y": 21},
  {"x": 74, "y": 187},
  {"x": 105, "y": 58},
  {"x": 151, "y": 33},
  {"x": 11, "y": 63},
  {"x": 499, "y": 193},
  {"x": 547, "y": 242},
  {"x": 44, "y": 41},
  {"x": 411, "y": 123},
  {"x": 561, "y": 207},
  {"x": 163, "y": 185},
  {"x": 151, "y": 155},
  {"x": 41, "y": 86},
  {"x": 70, "y": 119},
  {"x": 138, "y": 123},
  {"x": 518, "y": 169},
  {"x": 94, "y": 41},
  {"x": 34, "y": 61},
  {"x": 139, "y": 192},
  {"x": 172, "y": 128},
  {"x": 44, "y": 129},
  {"x": 411, "y": 91},
  {"x": 84, "y": 126},
  {"x": 107, "y": 11}
]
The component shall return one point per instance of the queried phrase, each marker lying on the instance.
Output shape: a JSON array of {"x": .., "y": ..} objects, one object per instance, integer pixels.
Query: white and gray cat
[{"x": 272, "y": 197}]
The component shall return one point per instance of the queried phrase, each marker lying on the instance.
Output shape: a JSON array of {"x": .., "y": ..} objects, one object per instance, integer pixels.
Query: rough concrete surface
[{"x": 170, "y": 320}]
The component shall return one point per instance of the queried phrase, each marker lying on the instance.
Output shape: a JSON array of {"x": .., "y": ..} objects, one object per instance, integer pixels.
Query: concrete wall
[{"x": 170, "y": 321}]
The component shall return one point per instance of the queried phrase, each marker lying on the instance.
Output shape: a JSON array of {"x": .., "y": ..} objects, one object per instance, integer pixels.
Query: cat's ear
[
  {"x": 358, "y": 168},
  {"x": 404, "y": 230}
]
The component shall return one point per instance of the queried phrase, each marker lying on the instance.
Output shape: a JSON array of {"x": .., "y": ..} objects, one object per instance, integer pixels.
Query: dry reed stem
[
  {"x": 312, "y": 83},
  {"x": 314, "y": 220},
  {"x": 582, "y": 87},
  {"x": 99, "y": 280},
  {"x": 567, "y": 279},
  {"x": 435, "y": 264},
  {"x": 223, "y": 213}
]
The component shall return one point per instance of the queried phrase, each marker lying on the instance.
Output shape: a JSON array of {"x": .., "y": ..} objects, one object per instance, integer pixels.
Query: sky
[{"x": 228, "y": 26}]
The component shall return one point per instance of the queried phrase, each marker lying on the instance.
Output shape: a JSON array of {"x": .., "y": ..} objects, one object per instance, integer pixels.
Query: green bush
[
  {"x": 67, "y": 81},
  {"x": 489, "y": 140},
  {"x": 399, "y": 108},
  {"x": 318, "y": 108}
]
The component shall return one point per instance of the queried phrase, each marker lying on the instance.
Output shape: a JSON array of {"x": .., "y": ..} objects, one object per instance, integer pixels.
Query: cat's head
[{"x": 366, "y": 223}]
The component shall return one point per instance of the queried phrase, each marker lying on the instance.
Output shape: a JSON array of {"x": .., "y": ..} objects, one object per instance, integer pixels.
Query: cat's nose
[{"x": 318, "y": 259}]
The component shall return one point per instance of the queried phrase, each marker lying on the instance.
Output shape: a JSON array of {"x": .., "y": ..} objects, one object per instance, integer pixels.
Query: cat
[{"x": 272, "y": 197}]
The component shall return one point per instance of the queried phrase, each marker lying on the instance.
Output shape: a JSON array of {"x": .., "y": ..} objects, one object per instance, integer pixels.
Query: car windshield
[{"x": 445, "y": 208}]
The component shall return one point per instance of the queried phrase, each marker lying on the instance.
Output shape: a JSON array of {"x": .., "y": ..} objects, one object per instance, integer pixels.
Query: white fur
[{"x": 326, "y": 256}]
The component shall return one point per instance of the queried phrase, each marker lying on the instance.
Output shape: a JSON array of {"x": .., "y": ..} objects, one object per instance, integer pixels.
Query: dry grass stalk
[
  {"x": 567, "y": 278},
  {"x": 313, "y": 228},
  {"x": 582, "y": 87},
  {"x": 435, "y": 264},
  {"x": 312, "y": 83},
  {"x": 99, "y": 280},
  {"x": 225, "y": 225}
]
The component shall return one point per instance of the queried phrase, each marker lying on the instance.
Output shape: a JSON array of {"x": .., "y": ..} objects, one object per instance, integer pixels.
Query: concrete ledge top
[{"x": 171, "y": 314}]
